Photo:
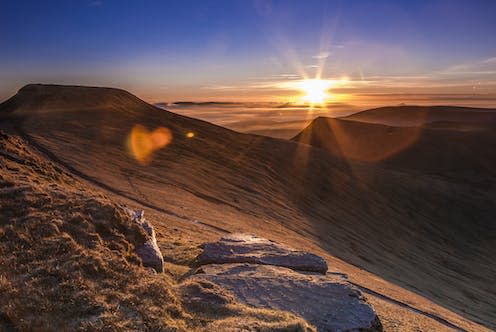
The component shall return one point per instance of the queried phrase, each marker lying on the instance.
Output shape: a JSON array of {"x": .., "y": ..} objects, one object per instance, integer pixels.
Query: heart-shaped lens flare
[{"x": 141, "y": 143}]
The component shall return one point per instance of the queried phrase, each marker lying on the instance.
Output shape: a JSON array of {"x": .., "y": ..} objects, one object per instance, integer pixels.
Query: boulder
[
  {"x": 247, "y": 248},
  {"x": 327, "y": 302},
  {"x": 149, "y": 252}
]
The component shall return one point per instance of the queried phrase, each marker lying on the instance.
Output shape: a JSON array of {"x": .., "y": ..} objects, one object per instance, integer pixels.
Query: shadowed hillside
[
  {"x": 446, "y": 145},
  {"x": 427, "y": 234},
  {"x": 411, "y": 116}
]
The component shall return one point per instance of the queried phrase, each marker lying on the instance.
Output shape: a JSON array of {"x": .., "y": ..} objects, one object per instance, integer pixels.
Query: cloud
[
  {"x": 321, "y": 55},
  {"x": 286, "y": 76},
  {"x": 485, "y": 66},
  {"x": 222, "y": 87}
]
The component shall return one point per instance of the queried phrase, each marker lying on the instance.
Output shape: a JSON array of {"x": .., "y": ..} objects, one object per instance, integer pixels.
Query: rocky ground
[{"x": 264, "y": 274}]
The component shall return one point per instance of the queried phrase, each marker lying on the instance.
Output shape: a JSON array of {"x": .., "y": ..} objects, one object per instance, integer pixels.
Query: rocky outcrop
[
  {"x": 149, "y": 252},
  {"x": 248, "y": 248},
  {"x": 264, "y": 274}
]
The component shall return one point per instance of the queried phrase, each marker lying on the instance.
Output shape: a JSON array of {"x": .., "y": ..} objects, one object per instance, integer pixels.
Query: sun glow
[{"x": 316, "y": 90}]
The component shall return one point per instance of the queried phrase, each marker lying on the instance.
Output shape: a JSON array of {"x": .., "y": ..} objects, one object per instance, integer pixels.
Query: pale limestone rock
[{"x": 247, "y": 248}]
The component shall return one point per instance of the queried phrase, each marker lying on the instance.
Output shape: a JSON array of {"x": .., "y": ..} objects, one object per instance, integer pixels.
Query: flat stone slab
[
  {"x": 247, "y": 248},
  {"x": 327, "y": 302}
]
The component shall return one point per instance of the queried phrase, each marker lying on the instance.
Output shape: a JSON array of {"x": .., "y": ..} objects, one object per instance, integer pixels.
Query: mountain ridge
[
  {"x": 448, "y": 146},
  {"x": 419, "y": 115}
]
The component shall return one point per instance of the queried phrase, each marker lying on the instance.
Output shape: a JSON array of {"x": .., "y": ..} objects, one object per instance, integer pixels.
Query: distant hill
[
  {"x": 430, "y": 235},
  {"x": 456, "y": 142},
  {"x": 407, "y": 116}
]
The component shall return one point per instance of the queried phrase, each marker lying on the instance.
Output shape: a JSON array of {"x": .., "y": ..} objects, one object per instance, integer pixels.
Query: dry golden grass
[
  {"x": 67, "y": 262},
  {"x": 68, "y": 259}
]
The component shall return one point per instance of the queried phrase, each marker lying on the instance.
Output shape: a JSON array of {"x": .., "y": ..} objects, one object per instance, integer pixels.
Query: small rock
[
  {"x": 149, "y": 252},
  {"x": 247, "y": 248}
]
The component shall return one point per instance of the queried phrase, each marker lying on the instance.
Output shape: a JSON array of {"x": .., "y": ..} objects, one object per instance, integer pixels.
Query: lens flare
[{"x": 141, "y": 143}]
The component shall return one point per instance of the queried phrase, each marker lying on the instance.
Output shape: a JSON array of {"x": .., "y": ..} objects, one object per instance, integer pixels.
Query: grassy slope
[
  {"x": 403, "y": 229},
  {"x": 68, "y": 262},
  {"x": 451, "y": 165}
]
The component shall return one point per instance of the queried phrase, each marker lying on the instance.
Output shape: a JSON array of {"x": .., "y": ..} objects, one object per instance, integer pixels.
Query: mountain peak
[{"x": 37, "y": 97}]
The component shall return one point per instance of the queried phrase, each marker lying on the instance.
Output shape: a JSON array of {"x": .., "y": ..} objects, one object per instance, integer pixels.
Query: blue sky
[{"x": 242, "y": 50}]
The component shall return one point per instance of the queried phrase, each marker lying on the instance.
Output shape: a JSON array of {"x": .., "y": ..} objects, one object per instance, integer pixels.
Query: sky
[{"x": 372, "y": 52}]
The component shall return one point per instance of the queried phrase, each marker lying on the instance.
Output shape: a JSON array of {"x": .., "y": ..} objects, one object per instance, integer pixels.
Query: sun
[{"x": 315, "y": 90}]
